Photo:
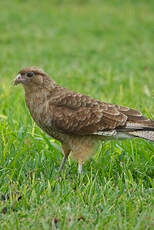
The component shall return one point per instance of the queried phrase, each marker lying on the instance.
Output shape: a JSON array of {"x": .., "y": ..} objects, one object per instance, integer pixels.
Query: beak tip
[{"x": 17, "y": 80}]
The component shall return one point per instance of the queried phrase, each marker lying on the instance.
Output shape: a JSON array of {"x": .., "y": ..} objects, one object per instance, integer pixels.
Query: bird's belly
[{"x": 83, "y": 147}]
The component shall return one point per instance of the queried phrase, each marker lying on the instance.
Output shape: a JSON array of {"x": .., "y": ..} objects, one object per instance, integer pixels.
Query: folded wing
[{"x": 78, "y": 114}]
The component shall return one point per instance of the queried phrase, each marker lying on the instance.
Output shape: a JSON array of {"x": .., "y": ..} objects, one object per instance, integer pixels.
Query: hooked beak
[{"x": 19, "y": 79}]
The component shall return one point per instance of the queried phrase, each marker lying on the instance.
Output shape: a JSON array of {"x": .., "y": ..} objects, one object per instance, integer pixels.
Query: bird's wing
[{"x": 78, "y": 114}]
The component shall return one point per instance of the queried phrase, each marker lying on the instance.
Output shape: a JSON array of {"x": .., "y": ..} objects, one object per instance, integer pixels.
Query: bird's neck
[
  {"x": 32, "y": 88},
  {"x": 36, "y": 97},
  {"x": 36, "y": 102}
]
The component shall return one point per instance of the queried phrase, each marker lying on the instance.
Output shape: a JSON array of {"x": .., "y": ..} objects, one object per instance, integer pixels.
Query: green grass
[{"x": 101, "y": 48}]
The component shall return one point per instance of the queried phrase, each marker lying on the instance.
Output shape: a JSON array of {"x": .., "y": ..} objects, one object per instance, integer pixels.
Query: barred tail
[{"x": 148, "y": 135}]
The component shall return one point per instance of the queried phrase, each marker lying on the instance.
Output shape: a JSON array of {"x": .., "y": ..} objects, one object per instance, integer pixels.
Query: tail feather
[
  {"x": 148, "y": 135},
  {"x": 146, "y": 130}
]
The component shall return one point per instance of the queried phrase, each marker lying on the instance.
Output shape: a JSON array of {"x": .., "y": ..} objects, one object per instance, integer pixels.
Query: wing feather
[
  {"x": 78, "y": 114},
  {"x": 75, "y": 113}
]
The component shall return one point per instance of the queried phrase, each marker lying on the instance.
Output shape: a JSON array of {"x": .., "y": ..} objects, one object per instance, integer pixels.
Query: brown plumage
[{"x": 78, "y": 121}]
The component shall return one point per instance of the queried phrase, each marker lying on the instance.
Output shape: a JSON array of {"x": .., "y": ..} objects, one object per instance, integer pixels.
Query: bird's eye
[{"x": 30, "y": 74}]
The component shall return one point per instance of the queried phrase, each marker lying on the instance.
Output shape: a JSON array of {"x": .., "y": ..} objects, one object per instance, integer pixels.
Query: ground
[{"x": 101, "y": 48}]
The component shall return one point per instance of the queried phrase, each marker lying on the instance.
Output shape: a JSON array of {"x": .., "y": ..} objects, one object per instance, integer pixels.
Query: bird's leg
[
  {"x": 80, "y": 167},
  {"x": 62, "y": 163},
  {"x": 66, "y": 152}
]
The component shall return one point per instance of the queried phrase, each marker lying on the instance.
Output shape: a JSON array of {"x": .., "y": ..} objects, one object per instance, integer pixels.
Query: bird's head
[
  {"x": 30, "y": 75},
  {"x": 33, "y": 77}
]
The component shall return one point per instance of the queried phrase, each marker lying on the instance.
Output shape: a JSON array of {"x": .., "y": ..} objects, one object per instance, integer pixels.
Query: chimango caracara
[{"x": 78, "y": 121}]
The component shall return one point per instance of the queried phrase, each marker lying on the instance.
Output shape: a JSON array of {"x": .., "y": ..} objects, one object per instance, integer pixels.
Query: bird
[{"x": 78, "y": 121}]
